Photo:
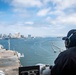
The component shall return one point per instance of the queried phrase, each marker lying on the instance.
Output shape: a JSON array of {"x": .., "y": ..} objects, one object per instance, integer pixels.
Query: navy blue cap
[{"x": 70, "y": 33}]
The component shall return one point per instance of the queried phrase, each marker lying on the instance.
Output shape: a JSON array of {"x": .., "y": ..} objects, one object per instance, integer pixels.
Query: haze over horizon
[{"x": 37, "y": 17}]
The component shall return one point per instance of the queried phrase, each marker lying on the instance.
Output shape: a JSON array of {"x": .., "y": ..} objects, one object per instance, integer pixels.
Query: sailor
[{"x": 65, "y": 63}]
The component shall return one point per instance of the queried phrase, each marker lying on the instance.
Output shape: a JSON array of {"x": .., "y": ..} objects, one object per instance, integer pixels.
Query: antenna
[{"x": 9, "y": 44}]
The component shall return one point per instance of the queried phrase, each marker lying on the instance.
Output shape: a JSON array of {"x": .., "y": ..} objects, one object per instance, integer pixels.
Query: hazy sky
[{"x": 37, "y": 17}]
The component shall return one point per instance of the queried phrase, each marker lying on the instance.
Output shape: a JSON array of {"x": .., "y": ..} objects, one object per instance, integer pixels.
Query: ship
[{"x": 9, "y": 61}]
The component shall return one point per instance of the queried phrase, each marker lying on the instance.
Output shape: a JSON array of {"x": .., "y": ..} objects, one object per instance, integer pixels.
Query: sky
[{"x": 37, "y": 17}]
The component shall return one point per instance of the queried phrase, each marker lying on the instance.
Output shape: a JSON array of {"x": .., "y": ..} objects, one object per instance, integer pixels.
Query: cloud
[
  {"x": 25, "y": 30},
  {"x": 57, "y": 13},
  {"x": 26, "y": 3},
  {"x": 20, "y": 13},
  {"x": 34, "y": 31},
  {"x": 63, "y": 13},
  {"x": 43, "y": 12},
  {"x": 69, "y": 19},
  {"x": 39, "y": 17},
  {"x": 64, "y": 4},
  {"x": 30, "y": 23},
  {"x": 46, "y": 1}
]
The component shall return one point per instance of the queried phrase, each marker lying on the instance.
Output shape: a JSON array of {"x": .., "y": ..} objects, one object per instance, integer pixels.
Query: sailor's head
[{"x": 70, "y": 39}]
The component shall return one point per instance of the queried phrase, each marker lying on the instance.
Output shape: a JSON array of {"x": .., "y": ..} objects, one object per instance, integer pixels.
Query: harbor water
[{"x": 36, "y": 50}]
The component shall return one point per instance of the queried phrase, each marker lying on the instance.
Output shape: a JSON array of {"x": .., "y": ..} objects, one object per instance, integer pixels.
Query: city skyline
[{"x": 37, "y": 17}]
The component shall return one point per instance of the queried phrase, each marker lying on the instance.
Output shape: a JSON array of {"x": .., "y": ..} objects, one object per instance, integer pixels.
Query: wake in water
[
  {"x": 40, "y": 46},
  {"x": 54, "y": 46}
]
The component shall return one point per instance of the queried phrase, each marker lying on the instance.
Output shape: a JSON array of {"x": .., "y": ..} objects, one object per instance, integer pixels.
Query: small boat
[{"x": 20, "y": 55}]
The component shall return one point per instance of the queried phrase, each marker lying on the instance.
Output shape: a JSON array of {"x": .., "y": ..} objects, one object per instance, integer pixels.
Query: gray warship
[{"x": 9, "y": 61}]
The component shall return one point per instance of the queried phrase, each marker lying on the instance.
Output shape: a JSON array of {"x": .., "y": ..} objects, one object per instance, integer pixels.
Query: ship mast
[{"x": 9, "y": 44}]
